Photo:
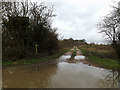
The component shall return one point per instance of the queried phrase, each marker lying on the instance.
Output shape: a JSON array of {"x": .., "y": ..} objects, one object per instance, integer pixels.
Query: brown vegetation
[{"x": 102, "y": 51}]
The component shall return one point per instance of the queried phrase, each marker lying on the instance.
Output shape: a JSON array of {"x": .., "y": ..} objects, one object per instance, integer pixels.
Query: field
[{"x": 102, "y": 55}]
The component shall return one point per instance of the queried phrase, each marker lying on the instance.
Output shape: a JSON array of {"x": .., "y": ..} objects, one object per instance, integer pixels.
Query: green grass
[
  {"x": 106, "y": 63},
  {"x": 103, "y": 62},
  {"x": 35, "y": 60},
  {"x": 74, "y": 53}
]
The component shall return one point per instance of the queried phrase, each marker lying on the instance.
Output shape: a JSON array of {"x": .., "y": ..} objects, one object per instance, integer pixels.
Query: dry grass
[{"x": 102, "y": 51}]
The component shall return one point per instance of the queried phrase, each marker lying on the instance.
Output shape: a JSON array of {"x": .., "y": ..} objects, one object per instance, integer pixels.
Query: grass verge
[
  {"x": 104, "y": 62},
  {"x": 35, "y": 60}
]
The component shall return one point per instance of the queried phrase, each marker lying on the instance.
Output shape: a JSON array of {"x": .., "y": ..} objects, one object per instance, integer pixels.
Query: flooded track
[{"x": 60, "y": 75}]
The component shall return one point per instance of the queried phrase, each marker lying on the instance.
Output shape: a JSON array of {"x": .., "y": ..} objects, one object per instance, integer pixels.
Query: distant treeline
[
  {"x": 26, "y": 26},
  {"x": 70, "y": 42}
]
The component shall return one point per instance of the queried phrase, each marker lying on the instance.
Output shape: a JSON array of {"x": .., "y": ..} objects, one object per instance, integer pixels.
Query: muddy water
[{"x": 61, "y": 75}]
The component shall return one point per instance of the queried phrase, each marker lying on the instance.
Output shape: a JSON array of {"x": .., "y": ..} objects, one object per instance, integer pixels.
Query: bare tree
[{"x": 110, "y": 26}]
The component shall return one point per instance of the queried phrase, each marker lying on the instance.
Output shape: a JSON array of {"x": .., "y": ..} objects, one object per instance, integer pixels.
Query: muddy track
[
  {"x": 73, "y": 60},
  {"x": 84, "y": 61}
]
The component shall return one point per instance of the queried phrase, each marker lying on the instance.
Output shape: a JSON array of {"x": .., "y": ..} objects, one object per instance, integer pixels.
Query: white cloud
[{"x": 78, "y": 18}]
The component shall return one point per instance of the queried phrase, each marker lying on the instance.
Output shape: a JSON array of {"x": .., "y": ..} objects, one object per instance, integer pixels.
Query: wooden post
[{"x": 36, "y": 49}]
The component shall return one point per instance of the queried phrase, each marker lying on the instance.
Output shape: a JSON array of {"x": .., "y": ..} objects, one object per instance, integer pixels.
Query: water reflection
[{"x": 110, "y": 80}]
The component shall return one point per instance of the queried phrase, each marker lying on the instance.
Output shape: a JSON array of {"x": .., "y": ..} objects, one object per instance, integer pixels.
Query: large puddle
[{"x": 61, "y": 75}]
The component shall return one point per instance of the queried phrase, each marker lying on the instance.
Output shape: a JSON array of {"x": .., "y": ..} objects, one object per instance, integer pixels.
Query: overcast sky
[{"x": 77, "y": 19}]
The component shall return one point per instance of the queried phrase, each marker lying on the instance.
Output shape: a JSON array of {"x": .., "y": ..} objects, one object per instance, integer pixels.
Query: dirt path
[{"x": 80, "y": 58}]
